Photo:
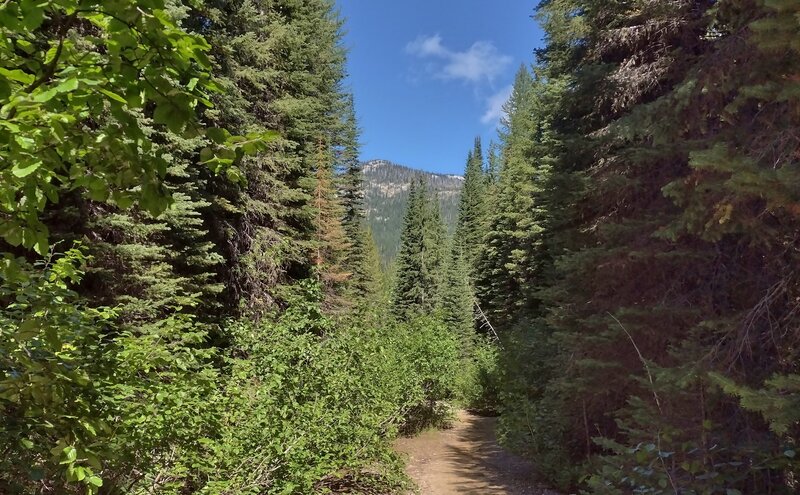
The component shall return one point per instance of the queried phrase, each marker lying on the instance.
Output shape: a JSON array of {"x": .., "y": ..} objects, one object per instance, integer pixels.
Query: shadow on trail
[
  {"x": 466, "y": 460},
  {"x": 482, "y": 467}
]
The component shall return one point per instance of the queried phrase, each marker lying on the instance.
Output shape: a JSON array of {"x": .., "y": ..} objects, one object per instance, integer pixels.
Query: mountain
[{"x": 386, "y": 187}]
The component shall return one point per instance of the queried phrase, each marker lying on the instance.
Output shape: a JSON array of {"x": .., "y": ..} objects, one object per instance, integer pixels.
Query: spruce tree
[
  {"x": 409, "y": 287},
  {"x": 435, "y": 248},
  {"x": 263, "y": 52},
  {"x": 350, "y": 169},
  {"x": 505, "y": 261},
  {"x": 419, "y": 268},
  {"x": 644, "y": 230},
  {"x": 367, "y": 285},
  {"x": 472, "y": 210},
  {"x": 458, "y": 298}
]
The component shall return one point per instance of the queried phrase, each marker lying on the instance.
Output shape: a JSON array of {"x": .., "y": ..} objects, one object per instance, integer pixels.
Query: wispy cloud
[
  {"x": 481, "y": 61},
  {"x": 494, "y": 105}
]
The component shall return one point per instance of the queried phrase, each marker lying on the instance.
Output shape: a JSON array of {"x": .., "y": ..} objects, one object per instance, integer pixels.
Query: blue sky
[{"x": 430, "y": 75}]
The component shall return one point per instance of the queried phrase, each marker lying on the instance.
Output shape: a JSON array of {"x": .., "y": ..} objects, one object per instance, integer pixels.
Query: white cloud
[
  {"x": 481, "y": 61},
  {"x": 494, "y": 105},
  {"x": 430, "y": 46}
]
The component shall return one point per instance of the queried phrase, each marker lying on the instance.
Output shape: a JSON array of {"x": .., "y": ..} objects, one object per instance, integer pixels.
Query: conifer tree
[
  {"x": 409, "y": 285},
  {"x": 367, "y": 283},
  {"x": 493, "y": 166},
  {"x": 350, "y": 169},
  {"x": 643, "y": 230},
  {"x": 263, "y": 52},
  {"x": 358, "y": 262},
  {"x": 330, "y": 241},
  {"x": 458, "y": 298},
  {"x": 435, "y": 246},
  {"x": 504, "y": 277},
  {"x": 419, "y": 268},
  {"x": 471, "y": 210}
]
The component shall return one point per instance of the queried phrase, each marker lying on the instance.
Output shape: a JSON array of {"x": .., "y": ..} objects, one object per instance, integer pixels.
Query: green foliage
[
  {"x": 457, "y": 299},
  {"x": 511, "y": 259},
  {"x": 638, "y": 262},
  {"x": 432, "y": 352},
  {"x": 68, "y": 67},
  {"x": 54, "y": 362},
  {"x": 368, "y": 285},
  {"x": 472, "y": 206},
  {"x": 778, "y": 401},
  {"x": 84, "y": 397},
  {"x": 420, "y": 264},
  {"x": 307, "y": 399},
  {"x": 478, "y": 380},
  {"x": 280, "y": 66},
  {"x": 104, "y": 127}
]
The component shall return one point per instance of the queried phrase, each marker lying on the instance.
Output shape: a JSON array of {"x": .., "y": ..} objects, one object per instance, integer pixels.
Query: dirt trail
[{"x": 466, "y": 460}]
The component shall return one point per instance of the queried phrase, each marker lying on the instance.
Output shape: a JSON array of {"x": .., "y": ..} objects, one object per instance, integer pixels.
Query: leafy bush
[
  {"x": 478, "y": 385},
  {"x": 530, "y": 423},
  {"x": 309, "y": 402},
  {"x": 52, "y": 365},
  {"x": 298, "y": 403},
  {"x": 430, "y": 357},
  {"x": 88, "y": 402}
]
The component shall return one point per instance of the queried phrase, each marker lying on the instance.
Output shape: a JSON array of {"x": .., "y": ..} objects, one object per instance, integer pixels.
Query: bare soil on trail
[{"x": 466, "y": 460}]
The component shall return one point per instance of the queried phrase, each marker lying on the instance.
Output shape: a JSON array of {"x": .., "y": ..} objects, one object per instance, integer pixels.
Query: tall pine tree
[
  {"x": 419, "y": 268},
  {"x": 472, "y": 209},
  {"x": 263, "y": 51}
]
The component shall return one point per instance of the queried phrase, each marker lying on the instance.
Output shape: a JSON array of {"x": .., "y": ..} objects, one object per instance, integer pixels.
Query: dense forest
[
  {"x": 192, "y": 300},
  {"x": 640, "y": 259}
]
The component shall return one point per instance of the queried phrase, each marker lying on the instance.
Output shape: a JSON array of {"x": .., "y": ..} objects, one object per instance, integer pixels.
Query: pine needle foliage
[
  {"x": 645, "y": 211},
  {"x": 420, "y": 263}
]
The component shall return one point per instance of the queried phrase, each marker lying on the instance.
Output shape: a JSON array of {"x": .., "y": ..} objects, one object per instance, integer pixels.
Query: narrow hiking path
[{"x": 466, "y": 460}]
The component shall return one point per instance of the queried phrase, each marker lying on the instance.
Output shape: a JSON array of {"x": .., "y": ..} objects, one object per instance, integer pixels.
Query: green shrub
[
  {"x": 296, "y": 404},
  {"x": 53, "y": 366},
  {"x": 430, "y": 354},
  {"x": 308, "y": 401},
  {"x": 88, "y": 402},
  {"x": 478, "y": 384}
]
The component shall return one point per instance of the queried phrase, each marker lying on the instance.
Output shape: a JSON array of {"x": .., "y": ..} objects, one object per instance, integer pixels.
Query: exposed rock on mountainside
[{"x": 386, "y": 187}]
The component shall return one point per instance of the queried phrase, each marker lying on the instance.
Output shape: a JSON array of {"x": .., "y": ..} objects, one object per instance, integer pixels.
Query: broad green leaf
[
  {"x": 17, "y": 75},
  {"x": 27, "y": 330},
  {"x": 70, "y": 454},
  {"x": 41, "y": 245},
  {"x": 217, "y": 135},
  {"x": 67, "y": 86},
  {"x": 169, "y": 115},
  {"x": 24, "y": 171},
  {"x": 113, "y": 96},
  {"x": 32, "y": 14},
  {"x": 45, "y": 96},
  {"x": 13, "y": 235}
]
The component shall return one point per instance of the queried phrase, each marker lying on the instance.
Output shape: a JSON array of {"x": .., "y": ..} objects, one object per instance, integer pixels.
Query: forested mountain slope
[{"x": 386, "y": 188}]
